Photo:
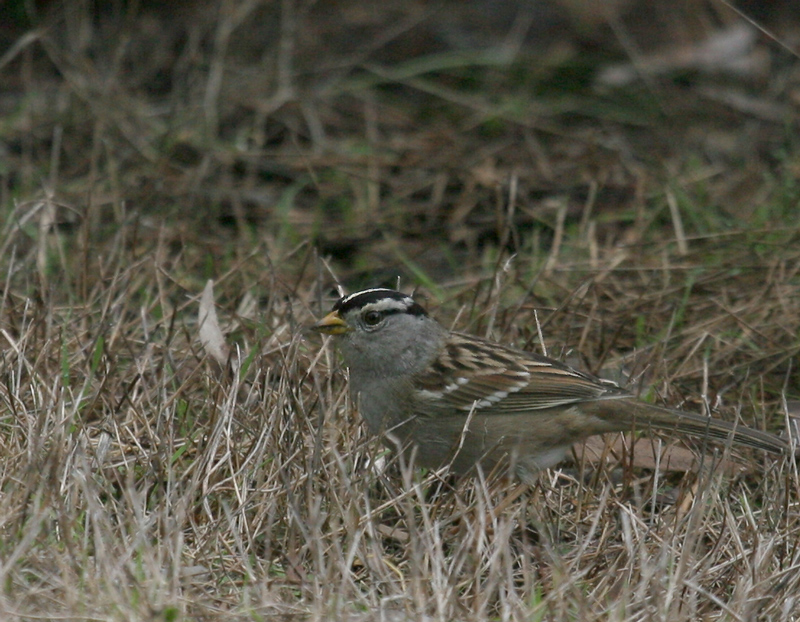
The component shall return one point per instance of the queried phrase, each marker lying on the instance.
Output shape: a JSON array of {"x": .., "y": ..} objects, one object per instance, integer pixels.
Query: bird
[{"x": 449, "y": 398}]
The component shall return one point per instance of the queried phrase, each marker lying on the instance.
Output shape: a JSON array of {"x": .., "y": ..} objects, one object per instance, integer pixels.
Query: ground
[{"x": 617, "y": 188}]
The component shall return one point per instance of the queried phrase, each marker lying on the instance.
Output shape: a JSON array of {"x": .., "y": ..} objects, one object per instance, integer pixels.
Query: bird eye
[{"x": 373, "y": 318}]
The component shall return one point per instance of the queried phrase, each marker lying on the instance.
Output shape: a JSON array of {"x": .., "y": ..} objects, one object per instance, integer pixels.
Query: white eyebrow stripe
[{"x": 390, "y": 304}]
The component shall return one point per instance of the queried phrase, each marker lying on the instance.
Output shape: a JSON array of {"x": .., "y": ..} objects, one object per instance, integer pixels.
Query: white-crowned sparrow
[{"x": 461, "y": 400}]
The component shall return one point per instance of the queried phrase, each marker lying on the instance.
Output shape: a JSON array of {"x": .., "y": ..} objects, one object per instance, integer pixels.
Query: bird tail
[{"x": 633, "y": 413}]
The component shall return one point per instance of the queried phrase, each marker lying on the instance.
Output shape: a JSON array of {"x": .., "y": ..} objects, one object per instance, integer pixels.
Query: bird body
[{"x": 456, "y": 399}]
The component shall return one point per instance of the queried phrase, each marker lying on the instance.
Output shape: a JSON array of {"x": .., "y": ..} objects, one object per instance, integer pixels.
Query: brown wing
[
  {"x": 473, "y": 373},
  {"x": 493, "y": 380}
]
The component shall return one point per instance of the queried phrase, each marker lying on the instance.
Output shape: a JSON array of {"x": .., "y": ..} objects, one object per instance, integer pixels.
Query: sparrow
[{"x": 449, "y": 398}]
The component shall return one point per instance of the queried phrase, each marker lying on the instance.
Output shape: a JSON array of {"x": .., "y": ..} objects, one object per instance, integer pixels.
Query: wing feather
[{"x": 475, "y": 374}]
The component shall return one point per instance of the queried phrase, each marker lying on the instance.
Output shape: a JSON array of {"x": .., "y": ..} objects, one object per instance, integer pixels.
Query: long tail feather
[{"x": 643, "y": 415}]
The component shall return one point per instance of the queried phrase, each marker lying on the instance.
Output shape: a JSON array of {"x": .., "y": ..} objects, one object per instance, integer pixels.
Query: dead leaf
[
  {"x": 210, "y": 334},
  {"x": 674, "y": 458}
]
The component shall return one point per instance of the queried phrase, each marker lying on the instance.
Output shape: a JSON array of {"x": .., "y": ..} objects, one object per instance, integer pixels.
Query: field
[{"x": 616, "y": 193}]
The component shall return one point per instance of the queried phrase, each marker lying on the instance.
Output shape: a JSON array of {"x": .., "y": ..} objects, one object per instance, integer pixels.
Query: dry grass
[{"x": 141, "y": 480}]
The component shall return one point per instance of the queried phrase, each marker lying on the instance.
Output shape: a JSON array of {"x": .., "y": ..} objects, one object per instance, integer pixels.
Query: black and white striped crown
[{"x": 379, "y": 299}]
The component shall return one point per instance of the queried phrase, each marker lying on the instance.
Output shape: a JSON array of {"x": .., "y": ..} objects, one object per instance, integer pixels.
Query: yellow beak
[{"x": 331, "y": 324}]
